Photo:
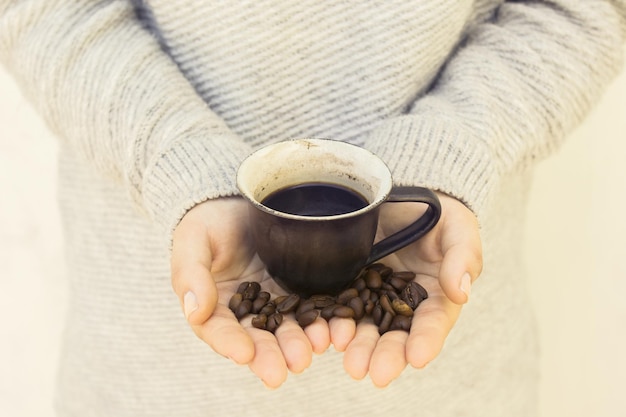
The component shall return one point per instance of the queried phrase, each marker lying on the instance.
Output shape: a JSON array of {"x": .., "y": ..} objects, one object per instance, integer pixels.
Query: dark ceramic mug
[{"x": 308, "y": 222}]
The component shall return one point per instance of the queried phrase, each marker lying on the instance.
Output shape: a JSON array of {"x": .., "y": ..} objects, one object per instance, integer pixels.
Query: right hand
[{"x": 212, "y": 254}]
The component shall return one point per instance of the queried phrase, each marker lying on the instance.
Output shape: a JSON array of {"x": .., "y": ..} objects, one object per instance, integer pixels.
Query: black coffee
[{"x": 315, "y": 199}]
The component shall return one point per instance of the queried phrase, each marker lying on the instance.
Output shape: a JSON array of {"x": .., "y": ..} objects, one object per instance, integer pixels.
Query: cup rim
[{"x": 248, "y": 194}]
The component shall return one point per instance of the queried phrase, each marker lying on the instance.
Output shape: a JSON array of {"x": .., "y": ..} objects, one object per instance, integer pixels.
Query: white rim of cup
[{"x": 248, "y": 163}]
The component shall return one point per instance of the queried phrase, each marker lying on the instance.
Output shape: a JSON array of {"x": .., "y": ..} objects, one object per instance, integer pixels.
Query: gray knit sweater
[{"x": 156, "y": 102}]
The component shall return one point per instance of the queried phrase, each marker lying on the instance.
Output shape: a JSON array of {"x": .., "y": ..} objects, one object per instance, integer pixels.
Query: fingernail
[
  {"x": 466, "y": 284},
  {"x": 190, "y": 303}
]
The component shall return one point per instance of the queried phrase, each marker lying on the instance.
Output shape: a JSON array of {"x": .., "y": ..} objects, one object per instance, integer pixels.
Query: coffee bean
[
  {"x": 417, "y": 291},
  {"x": 280, "y": 299},
  {"x": 251, "y": 291},
  {"x": 327, "y": 312},
  {"x": 244, "y": 308},
  {"x": 343, "y": 312},
  {"x": 385, "y": 323},
  {"x": 382, "y": 269},
  {"x": 261, "y": 300},
  {"x": 304, "y": 306},
  {"x": 373, "y": 279},
  {"x": 359, "y": 284},
  {"x": 397, "y": 283},
  {"x": 273, "y": 322},
  {"x": 421, "y": 290},
  {"x": 406, "y": 276},
  {"x": 389, "y": 297},
  {"x": 402, "y": 308},
  {"x": 264, "y": 295},
  {"x": 257, "y": 305},
  {"x": 347, "y": 295},
  {"x": 401, "y": 323},
  {"x": 259, "y": 321},
  {"x": 412, "y": 295},
  {"x": 368, "y": 306},
  {"x": 392, "y": 295},
  {"x": 242, "y": 287},
  {"x": 289, "y": 304},
  {"x": 268, "y": 309},
  {"x": 235, "y": 301},
  {"x": 322, "y": 300},
  {"x": 356, "y": 304},
  {"x": 307, "y": 317},
  {"x": 385, "y": 303},
  {"x": 365, "y": 294},
  {"x": 377, "y": 314}
]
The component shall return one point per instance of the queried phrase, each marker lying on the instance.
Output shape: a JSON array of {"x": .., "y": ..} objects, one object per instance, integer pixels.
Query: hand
[
  {"x": 447, "y": 260},
  {"x": 211, "y": 255}
]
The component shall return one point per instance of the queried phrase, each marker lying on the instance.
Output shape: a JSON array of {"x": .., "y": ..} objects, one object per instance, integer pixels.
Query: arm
[
  {"x": 106, "y": 89},
  {"x": 509, "y": 95},
  {"x": 515, "y": 87}
]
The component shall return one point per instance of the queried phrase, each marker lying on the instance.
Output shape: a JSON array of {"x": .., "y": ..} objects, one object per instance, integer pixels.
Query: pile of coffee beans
[{"x": 379, "y": 292}]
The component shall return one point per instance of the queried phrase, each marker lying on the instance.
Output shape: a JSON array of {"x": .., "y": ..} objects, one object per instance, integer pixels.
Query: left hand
[{"x": 447, "y": 260}]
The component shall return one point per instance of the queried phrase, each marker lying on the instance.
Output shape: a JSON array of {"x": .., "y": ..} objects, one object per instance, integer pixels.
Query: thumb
[
  {"x": 191, "y": 262},
  {"x": 462, "y": 252}
]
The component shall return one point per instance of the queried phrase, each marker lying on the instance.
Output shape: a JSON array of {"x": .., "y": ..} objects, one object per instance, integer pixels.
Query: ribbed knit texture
[{"x": 156, "y": 102}]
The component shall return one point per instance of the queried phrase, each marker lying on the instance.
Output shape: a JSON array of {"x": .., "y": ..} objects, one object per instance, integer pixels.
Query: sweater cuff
[
  {"x": 437, "y": 154},
  {"x": 188, "y": 173}
]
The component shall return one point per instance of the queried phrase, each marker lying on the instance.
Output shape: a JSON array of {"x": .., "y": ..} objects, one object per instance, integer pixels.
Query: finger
[
  {"x": 432, "y": 322},
  {"x": 358, "y": 354},
  {"x": 318, "y": 333},
  {"x": 226, "y": 336},
  {"x": 268, "y": 362},
  {"x": 191, "y": 276},
  {"x": 389, "y": 358},
  {"x": 295, "y": 346},
  {"x": 462, "y": 254},
  {"x": 458, "y": 272},
  {"x": 342, "y": 332}
]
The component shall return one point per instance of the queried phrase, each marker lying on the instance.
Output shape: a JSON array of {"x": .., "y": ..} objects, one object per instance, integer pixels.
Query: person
[{"x": 155, "y": 104}]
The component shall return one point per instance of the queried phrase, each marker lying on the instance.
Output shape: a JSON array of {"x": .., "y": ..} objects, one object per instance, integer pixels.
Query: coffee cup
[{"x": 314, "y": 208}]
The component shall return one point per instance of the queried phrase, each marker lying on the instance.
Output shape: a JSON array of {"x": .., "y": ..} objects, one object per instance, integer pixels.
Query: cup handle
[{"x": 415, "y": 230}]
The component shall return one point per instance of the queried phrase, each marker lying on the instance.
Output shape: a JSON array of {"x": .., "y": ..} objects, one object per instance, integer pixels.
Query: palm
[
  {"x": 212, "y": 254},
  {"x": 439, "y": 259}
]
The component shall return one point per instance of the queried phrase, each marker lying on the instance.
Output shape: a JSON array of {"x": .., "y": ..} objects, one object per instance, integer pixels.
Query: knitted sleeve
[
  {"x": 106, "y": 89},
  {"x": 507, "y": 97}
]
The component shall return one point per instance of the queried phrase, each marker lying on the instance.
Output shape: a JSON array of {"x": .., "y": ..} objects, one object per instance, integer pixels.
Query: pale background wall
[{"x": 576, "y": 256}]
